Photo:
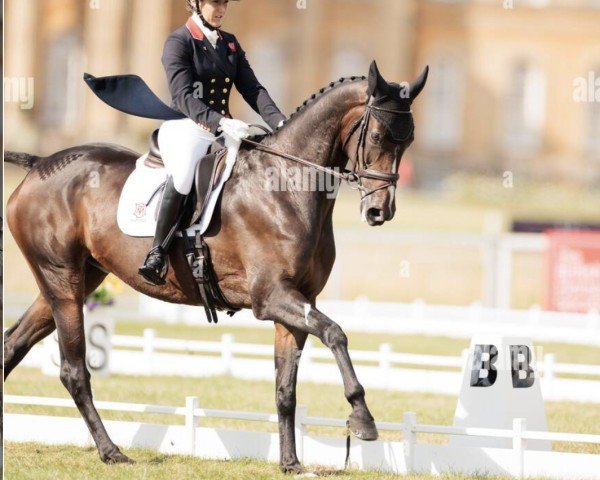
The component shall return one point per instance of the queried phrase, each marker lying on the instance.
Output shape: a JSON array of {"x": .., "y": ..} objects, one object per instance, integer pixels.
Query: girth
[{"x": 197, "y": 254}]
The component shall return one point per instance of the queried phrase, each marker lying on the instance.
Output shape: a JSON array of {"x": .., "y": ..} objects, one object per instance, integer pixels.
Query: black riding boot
[{"x": 156, "y": 265}]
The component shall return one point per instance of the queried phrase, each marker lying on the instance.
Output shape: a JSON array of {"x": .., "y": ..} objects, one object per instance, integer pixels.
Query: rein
[
  {"x": 353, "y": 177},
  {"x": 279, "y": 153}
]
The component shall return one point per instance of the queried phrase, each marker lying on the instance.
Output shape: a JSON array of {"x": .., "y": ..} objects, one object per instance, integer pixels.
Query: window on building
[
  {"x": 443, "y": 113},
  {"x": 525, "y": 109}
]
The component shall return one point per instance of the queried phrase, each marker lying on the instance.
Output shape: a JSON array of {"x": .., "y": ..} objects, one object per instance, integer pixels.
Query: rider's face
[{"x": 214, "y": 11}]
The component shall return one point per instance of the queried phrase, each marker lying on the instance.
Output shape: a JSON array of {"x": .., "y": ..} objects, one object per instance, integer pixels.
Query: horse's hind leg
[
  {"x": 63, "y": 287},
  {"x": 37, "y": 323},
  {"x": 288, "y": 348}
]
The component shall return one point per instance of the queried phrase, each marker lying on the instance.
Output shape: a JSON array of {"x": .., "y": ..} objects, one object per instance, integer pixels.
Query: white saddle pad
[{"x": 136, "y": 214}]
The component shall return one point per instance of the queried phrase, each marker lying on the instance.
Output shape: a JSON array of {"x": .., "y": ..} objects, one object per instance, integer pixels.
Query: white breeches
[{"x": 182, "y": 145}]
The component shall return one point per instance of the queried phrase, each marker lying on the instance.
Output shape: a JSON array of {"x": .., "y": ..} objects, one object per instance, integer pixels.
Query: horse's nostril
[{"x": 375, "y": 214}]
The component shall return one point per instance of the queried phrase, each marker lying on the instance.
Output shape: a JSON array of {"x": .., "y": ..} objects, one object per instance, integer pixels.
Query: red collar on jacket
[{"x": 196, "y": 31}]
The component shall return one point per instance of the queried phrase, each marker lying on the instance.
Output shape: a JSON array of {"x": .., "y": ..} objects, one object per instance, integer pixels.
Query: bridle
[
  {"x": 359, "y": 170},
  {"x": 356, "y": 176}
]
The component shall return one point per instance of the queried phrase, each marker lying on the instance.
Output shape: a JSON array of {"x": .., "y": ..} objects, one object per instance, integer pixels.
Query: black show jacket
[{"x": 200, "y": 77}]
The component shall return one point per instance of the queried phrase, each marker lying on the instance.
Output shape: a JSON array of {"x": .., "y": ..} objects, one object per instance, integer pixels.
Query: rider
[{"x": 202, "y": 63}]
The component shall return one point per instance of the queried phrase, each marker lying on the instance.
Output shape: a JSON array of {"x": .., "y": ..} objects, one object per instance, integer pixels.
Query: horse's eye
[{"x": 376, "y": 137}]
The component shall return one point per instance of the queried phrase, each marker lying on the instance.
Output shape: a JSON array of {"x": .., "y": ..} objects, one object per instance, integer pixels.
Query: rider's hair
[{"x": 191, "y": 5}]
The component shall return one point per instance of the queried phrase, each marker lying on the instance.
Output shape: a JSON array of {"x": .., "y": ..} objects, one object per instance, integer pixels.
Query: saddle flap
[
  {"x": 207, "y": 175},
  {"x": 154, "y": 159}
]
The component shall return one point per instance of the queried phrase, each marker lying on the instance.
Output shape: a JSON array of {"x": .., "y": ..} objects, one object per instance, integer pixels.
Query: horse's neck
[{"x": 314, "y": 135}]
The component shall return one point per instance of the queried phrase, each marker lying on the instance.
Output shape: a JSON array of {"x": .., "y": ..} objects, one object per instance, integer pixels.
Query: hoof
[
  {"x": 116, "y": 457},
  {"x": 363, "y": 429},
  {"x": 292, "y": 469}
]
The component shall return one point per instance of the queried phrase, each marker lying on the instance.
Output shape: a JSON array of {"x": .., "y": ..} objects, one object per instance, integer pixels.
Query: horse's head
[{"x": 376, "y": 141}]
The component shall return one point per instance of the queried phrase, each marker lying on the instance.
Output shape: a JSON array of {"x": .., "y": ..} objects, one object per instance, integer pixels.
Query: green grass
[
  {"x": 231, "y": 394},
  {"x": 41, "y": 462}
]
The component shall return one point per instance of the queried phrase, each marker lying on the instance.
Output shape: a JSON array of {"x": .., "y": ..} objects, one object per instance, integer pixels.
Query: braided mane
[{"x": 313, "y": 98}]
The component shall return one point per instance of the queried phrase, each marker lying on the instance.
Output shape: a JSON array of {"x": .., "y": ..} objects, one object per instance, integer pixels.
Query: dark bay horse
[{"x": 272, "y": 251}]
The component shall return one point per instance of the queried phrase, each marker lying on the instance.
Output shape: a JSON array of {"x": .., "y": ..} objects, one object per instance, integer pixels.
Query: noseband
[{"x": 353, "y": 176}]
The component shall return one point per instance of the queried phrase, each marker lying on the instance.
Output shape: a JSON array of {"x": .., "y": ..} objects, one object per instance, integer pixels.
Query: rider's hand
[{"x": 236, "y": 129}]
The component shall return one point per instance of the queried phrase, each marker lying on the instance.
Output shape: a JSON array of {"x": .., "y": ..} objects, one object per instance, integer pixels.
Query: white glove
[{"x": 236, "y": 129}]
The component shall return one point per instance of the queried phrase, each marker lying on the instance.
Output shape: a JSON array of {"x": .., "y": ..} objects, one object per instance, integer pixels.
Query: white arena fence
[
  {"x": 385, "y": 369},
  {"x": 416, "y": 318},
  {"x": 408, "y": 456},
  {"x": 362, "y": 315}
]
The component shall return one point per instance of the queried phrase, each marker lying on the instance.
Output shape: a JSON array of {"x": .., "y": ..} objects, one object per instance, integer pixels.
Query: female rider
[{"x": 202, "y": 63}]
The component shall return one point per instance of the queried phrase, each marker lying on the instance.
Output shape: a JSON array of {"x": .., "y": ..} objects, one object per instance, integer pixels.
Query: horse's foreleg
[
  {"x": 37, "y": 323},
  {"x": 288, "y": 349},
  {"x": 284, "y": 304}
]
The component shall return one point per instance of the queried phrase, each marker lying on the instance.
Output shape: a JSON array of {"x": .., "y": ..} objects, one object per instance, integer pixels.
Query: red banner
[{"x": 573, "y": 271}]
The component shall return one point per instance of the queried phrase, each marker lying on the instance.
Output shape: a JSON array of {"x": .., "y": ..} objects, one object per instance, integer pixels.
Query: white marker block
[
  {"x": 99, "y": 328},
  {"x": 500, "y": 383}
]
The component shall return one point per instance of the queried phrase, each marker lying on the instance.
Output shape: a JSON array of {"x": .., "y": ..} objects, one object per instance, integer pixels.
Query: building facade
[{"x": 502, "y": 96}]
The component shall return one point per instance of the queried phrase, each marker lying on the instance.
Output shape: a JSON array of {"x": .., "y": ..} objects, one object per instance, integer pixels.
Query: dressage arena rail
[
  {"x": 416, "y": 318},
  {"x": 149, "y": 355},
  {"x": 362, "y": 315},
  {"x": 407, "y": 456}
]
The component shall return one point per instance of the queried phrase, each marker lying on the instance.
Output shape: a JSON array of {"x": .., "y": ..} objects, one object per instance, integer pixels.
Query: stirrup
[{"x": 155, "y": 274}]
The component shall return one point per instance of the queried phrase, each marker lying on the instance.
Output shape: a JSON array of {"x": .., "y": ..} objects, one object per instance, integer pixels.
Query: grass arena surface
[
  {"x": 41, "y": 462},
  {"x": 259, "y": 396}
]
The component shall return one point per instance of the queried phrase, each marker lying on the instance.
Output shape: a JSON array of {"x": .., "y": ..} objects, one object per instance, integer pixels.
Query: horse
[{"x": 273, "y": 250}]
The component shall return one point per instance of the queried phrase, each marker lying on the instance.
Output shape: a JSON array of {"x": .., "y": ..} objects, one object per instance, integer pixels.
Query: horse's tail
[{"x": 23, "y": 160}]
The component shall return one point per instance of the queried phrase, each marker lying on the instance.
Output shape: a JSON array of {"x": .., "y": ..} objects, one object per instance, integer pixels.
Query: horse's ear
[
  {"x": 419, "y": 84},
  {"x": 377, "y": 84}
]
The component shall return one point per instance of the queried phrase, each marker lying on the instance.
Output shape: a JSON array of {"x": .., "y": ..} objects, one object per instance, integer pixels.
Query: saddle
[{"x": 206, "y": 177}]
